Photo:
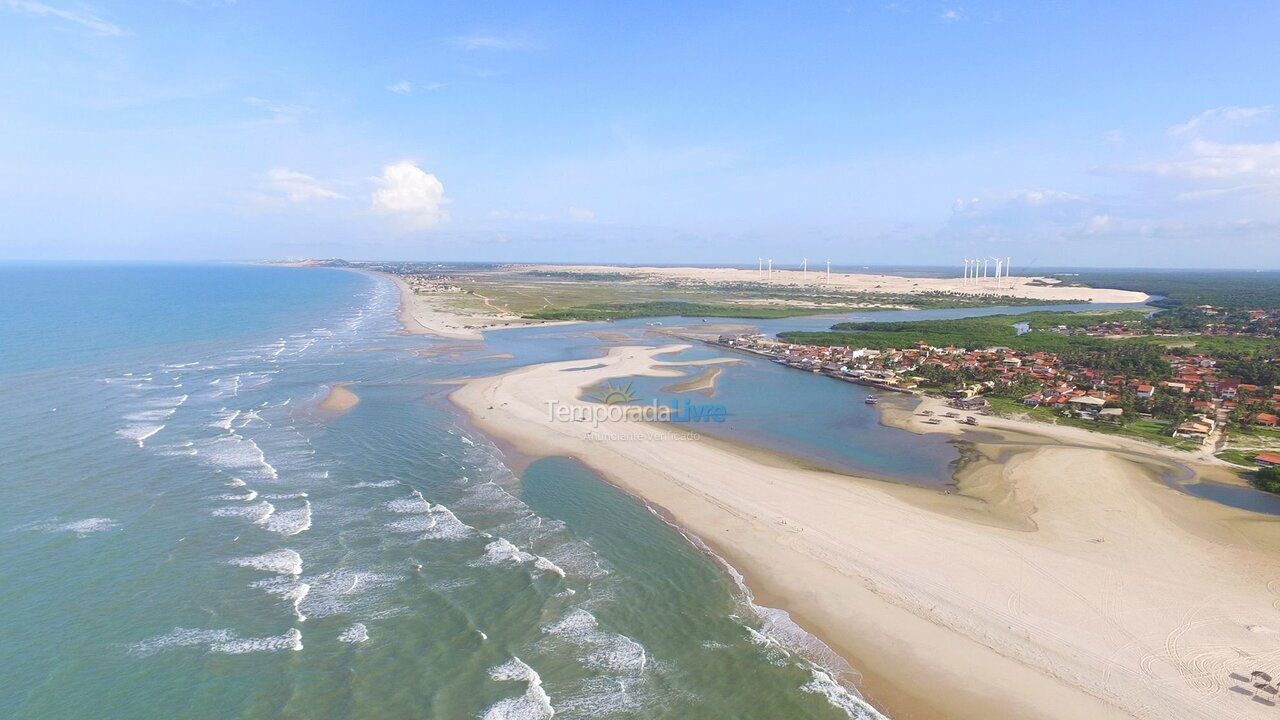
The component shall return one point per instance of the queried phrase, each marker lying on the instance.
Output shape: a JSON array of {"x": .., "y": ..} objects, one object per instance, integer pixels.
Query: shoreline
[
  {"x": 1202, "y": 461},
  {"x": 418, "y": 316},
  {"x": 921, "y": 606}
]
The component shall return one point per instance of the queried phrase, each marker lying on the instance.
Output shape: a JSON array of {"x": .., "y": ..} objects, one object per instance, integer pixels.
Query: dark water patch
[{"x": 1236, "y": 496}]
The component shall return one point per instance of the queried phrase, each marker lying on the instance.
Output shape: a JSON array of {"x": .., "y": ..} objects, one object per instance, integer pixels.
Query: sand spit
[
  {"x": 1060, "y": 582},
  {"x": 704, "y": 383},
  {"x": 428, "y": 315}
]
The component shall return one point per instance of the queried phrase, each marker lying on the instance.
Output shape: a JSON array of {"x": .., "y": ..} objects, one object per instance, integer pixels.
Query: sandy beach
[
  {"x": 1059, "y": 582},
  {"x": 1031, "y": 287},
  {"x": 428, "y": 315}
]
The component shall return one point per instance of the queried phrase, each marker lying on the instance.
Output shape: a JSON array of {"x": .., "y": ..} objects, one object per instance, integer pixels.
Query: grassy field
[
  {"x": 619, "y": 311},
  {"x": 1153, "y": 431},
  {"x": 1246, "y": 442},
  {"x": 1239, "y": 457}
]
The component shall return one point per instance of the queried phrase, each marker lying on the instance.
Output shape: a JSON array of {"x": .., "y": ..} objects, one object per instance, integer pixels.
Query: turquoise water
[{"x": 187, "y": 535}]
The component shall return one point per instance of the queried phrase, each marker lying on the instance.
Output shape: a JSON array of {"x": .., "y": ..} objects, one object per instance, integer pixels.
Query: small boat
[{"x": 872, "y": 400}]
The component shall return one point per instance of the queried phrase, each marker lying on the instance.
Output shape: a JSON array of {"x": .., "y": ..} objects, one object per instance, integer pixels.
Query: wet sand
[
  {"x": 704, "y": 383},
  {"x": 1056, "y": 581},
  {"x": 339, "y": 399}
]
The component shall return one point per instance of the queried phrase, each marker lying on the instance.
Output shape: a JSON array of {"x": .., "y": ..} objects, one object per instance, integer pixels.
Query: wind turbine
[
  {"x": 804, "y": 268},
  {"x": 770, "y": 269},
  {"x": 998, "y": 264},
  {"x": 828, "y": 270},
  {"x": 759, "y": 268}
]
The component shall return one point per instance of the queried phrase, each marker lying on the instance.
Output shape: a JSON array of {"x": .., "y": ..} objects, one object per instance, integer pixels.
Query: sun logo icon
[{"x": 611, "y": 394}]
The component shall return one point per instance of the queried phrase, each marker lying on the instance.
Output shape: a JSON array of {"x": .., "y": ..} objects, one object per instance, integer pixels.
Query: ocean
[{"x": 188, "y": 535}]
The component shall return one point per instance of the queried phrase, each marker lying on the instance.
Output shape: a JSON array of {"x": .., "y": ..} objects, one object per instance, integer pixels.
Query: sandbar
[{"x": 1056, "y": 581}]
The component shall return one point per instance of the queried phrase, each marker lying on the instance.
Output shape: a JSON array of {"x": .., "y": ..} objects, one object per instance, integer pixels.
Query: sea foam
[
  {"x": 603, "y": 650},
  {"x": 534, "y": 704},
  {"x": 357, "y": 633},
  {"x": 502, "y": 551},
  {"x": 291, "y": 640},
  {"x": 291, "y": 590},
  {"x": 223, "y": 641},
  {"x": 281, "y": 562},
  {"x": 290, "y": 522},
  {"x": 81, "y": 528}
]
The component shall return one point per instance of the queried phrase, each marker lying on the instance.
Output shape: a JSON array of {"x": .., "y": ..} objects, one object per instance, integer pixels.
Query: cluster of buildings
[
  {"x": 879, "y": 368},
  {"x": 1208, "y": 397},
  {"x": 423, "y": 283}
]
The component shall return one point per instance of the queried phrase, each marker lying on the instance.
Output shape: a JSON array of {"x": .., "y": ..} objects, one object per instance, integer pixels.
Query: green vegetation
[
  {"x": 581, "y": 276},
  {"x": 972, "y": 332},
  {"x": 1267, "y": 479},
  {"x": 1239, "y": 457},
  {"x": 1137, "y": 355},
  {"x": 619, "y": 311},
  {"x": 1250, "y": 369},
  {"x": 1241, "y": 288},
  {"x": 1148, "y": 430}
]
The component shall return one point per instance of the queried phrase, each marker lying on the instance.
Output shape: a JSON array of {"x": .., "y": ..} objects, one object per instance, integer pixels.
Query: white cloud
[
  {"x": 280, "y": 112},
  {"x": 300, "y": 187},
  {"x": 1247, "y": 191},
  {"x": 488, "y": 42},
  {"x": 1220, "y": 115},
  {"x": 83, "y": 18},
  {"x": 1021, "y": 198},
  {"x": 951, "y": 16},
  {"x": 410, "y": 194},
  {"x": 1212, "y": 160},
  {"x": 404, "y": 87},
  {"x": 1039, "y": 213},
  {"x": 581, "y": 214},
  {"x": 1114, "y": 137},
  {"x": 1099, "y": 225},
  {"x": 1207, "y": 234},
  {"x": 1046, "y": 197}
]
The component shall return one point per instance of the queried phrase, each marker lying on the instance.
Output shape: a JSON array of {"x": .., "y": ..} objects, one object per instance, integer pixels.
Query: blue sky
[{"x": 1123, "y": 134}]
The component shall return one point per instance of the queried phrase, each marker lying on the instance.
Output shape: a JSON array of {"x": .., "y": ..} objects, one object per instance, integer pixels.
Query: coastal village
[{"x": 1197, "y": 400}]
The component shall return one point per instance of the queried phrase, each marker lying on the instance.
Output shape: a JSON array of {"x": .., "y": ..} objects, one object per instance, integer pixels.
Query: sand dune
[
  {"x": 1033, "y": 287},
  {"x": 1079, "y": 588}
]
